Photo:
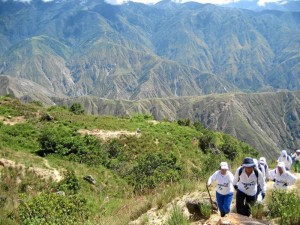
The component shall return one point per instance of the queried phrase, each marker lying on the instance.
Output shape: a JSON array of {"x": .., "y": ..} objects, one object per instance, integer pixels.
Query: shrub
[
  {"x": 177, "y": 217},
  {"x": 70, "y": 183},
  {"x": 77, "y": 108},
  {"x": 205, "y": 210},
  {"x": 185, "y": 122},
  {"x": 286, "y": 206},
  {"x": 53, "y": 209},
  {"x": 154, "y": 168},
  {"x": 257, "y": 210}
]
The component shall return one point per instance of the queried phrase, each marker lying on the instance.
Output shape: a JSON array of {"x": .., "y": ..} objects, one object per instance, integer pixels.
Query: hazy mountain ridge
[{"x": 139, "y": 46}]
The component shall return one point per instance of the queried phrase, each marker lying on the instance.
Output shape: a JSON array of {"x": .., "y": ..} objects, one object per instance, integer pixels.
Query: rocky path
[{"x": 160, "y": 216}]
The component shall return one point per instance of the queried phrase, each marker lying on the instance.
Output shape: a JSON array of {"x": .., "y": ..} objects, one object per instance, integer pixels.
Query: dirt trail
[
  {"x": 49, "y": 173},
  {"x": 12, "y": 120},
  {"x": 106, "y": 134}
]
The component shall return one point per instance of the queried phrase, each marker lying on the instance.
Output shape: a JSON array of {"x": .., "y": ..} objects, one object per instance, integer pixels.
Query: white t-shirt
[
  {"x": 224, "y": 182},
  {"x": 248, "y": 185},
  {"x": 284, "y": 180},
  {"x": 286, "y": 160}
]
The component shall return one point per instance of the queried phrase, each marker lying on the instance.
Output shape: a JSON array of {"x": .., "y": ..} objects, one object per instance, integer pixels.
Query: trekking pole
[{"x": 211, "y": 201}]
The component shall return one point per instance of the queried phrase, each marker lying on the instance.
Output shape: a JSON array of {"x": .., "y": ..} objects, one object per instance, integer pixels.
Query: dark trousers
[{"x": 243, "y": 203}]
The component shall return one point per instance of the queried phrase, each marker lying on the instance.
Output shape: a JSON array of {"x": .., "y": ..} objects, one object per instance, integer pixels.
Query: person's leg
[
  {"x": 220, "y": 201},
  {"x": 250, "y": 200},
  {"x": 240, "y": 203},
  {"x": 227, "y": 202}
]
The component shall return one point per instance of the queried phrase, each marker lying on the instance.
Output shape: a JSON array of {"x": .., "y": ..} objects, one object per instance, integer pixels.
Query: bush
[
  {"x": 70, "y": 183},
  {"x": 257, "y": 210},
  {"x": 53, "y": 209},
  {"x": 185, "y": 122},
  {"x": 152, "y": 169},
  {"x": 286, "y": 206},
  {"x": 177, "y": 217},
  {"x": 205, "y": 210},
  {"x": 77, "y": 108}
]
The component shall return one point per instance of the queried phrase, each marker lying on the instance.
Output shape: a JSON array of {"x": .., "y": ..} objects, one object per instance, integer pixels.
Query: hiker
[
  {"x": 286, "y": 159},
  {"x": 263, "y": 164},
  {"x": 281, "y": 177},
  {"x": 296, "y": 157},
  {"x": 263, "y": 173},
  {"x": 224, "y": 188},
  {"x": 246, "y": 181}
]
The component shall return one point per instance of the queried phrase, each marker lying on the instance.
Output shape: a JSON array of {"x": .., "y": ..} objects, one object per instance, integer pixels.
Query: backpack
[{"x": 255, "y": 172}]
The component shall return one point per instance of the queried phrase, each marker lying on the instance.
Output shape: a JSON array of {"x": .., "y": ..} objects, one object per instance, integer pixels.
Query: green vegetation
[
  {"x": 77, "y": 108},
  {"x": 286, "y": 206},
  {"x": 257, "y": 210},
  {"x": 163, "y": 161},
  {"x": 177, "y": 217},
  {"x": 205, "y": 210}
]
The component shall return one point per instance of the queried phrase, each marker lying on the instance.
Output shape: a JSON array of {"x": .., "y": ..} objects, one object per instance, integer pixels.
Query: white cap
[
  {"x": 224, "y": 165},
  {"x": 298, "y": 151},
  {"x": 262, "y": 160},
  {"x": 280, "y": 164}
]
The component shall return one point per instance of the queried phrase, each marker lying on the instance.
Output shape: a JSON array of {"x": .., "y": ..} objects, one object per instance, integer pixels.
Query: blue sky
[{"x": 219, "y": 2}]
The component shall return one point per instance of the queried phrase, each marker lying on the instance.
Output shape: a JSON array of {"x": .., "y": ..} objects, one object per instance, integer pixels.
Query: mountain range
[{"x": 167, "y": 59}]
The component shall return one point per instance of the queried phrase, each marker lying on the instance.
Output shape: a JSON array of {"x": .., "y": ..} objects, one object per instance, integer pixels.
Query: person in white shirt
[
  {"x": 296, "y": 157},
  {"x": 246, "y": 180},
  {"x": 286, "y": 159},
  {"x": 224, "y": 188},
  {"x": 263, "y": 163},
  {"x": 282, "y": 178}
]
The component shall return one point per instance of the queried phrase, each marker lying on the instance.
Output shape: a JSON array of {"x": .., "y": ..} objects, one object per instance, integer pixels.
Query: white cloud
[
  {"x": 115, "y": 2},
  {"x": 181, "y": 1},
  {"x": 263, "y": 2}
]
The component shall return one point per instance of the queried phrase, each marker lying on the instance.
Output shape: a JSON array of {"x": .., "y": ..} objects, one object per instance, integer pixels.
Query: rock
[
  {"x": 194, "y": 209},
  {"x": 138, "y": 131},
  {"x": 61, "y": 193},
  {"x": 90, "y": 179},
  {"x": 47, "y": 117}
]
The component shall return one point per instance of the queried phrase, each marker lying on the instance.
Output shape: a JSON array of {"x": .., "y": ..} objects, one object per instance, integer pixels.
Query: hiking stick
[{"x": 211, "y": 201}]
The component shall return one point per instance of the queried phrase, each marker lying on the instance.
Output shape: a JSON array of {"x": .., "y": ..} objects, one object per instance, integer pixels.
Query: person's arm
[
  {"x": 262, "y": 183},
  {"x": 212, "y": 178},
  {"x": 272, "y": 174},
  {"x": 291, "y": 179},
  {"x": 231, "y": 177},
  {"x": 236, "y": 178}
]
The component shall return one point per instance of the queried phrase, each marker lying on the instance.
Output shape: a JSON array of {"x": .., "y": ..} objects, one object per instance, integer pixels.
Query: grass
[{"x": 177, "y": 217}]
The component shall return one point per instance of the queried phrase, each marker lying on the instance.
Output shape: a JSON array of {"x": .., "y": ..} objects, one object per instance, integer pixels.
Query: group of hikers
[{"x": 250, "y": 179}]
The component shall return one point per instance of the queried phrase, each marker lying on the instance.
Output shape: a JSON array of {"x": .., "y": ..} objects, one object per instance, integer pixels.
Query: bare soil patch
[
  {"x": 106, "y": 134},
  {"x": 46, "y": 174},
  {"x": 12, "y": 120}
]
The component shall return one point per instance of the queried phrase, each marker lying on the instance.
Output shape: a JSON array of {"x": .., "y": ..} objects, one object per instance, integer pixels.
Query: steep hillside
[
  {"x": 27, "y": 90},
  {"x": 267, "y": 121},
  {"x": 56, "y": 166},
  {"x": 136, "y": 51}
]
